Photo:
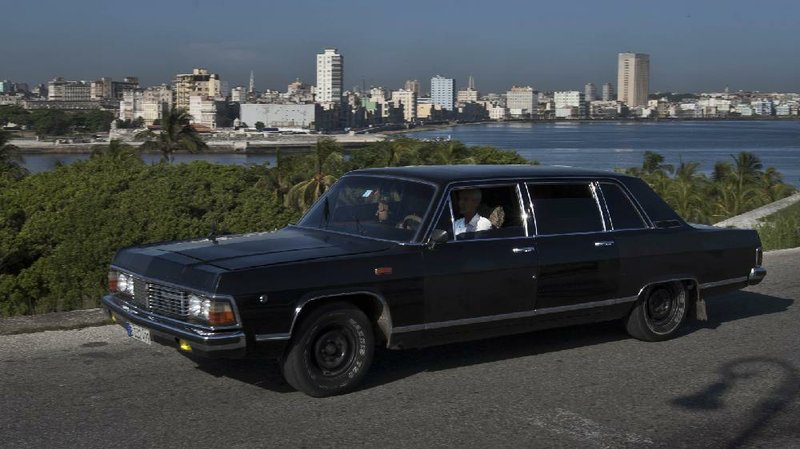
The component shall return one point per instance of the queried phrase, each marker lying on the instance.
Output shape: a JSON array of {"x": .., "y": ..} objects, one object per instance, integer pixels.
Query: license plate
[{"x": 139, "y": 333}]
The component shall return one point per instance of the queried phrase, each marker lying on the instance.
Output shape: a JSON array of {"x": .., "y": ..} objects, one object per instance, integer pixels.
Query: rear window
[
  {"x": 564, "y": 208},
  {"x": 622, "y": 212}
]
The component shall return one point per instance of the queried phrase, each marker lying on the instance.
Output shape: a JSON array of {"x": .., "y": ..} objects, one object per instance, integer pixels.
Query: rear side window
[
  {"x": 622, "y": 212},
  {"x": 565, "y": 208}
]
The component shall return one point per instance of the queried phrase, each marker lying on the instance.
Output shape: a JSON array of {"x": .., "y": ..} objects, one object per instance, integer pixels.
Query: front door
[{"x": 485, "y": 273}]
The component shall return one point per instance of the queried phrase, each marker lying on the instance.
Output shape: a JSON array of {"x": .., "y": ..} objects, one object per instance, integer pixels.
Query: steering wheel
[{"x": 411, "y": 222}]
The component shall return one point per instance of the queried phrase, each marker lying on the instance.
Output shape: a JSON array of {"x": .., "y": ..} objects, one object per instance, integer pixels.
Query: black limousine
[{"x": 416, "y": 256}]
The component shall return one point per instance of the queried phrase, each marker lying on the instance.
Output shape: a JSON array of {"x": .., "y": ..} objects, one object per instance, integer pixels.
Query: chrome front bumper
[
  {"x": 169, "y": 331},
  {"x": 756, "y": 275}
]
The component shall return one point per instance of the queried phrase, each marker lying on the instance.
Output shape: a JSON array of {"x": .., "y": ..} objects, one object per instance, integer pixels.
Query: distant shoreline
[{"x": 302, "y": 144}]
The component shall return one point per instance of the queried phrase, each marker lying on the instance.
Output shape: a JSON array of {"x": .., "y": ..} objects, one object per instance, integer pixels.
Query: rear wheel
[
  {"x": 330, "y": 352},
  {"x": 659, "y": 313}
]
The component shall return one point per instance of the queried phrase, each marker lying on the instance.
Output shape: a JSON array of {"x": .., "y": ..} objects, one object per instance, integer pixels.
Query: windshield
[{"x": 385, "y": 208}]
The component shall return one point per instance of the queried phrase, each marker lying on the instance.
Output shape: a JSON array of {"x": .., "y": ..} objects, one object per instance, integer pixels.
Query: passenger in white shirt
[{"x": 468, "y": 202}]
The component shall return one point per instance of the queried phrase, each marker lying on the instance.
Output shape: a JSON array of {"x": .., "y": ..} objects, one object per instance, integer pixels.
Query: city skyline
[{"x": 696, "y": 47}]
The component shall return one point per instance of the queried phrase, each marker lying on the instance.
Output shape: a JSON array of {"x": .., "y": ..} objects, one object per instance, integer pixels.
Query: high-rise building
[
  {"x": 408, "y": 99},
  {"x": 633, "y": 78},
  {"x": 590, "y": 92},
  {"x": 330, "y": 76},
  {"x": 412, "y": 85},
  {"x": 198, "y": 83},
  {"x": 522, "y": 101},
  {"x": 443, "y": 92},
  {"x": 608, "y": 92}
]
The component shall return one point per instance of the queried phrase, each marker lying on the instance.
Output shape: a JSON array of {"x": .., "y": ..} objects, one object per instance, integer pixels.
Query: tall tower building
[
  {"x": 443, "y": 92},
  {"x": 252, "y": 88},
  {"x": 330, "y": 76},
  {"x": 633, "y": 78},
  {"x": 608, "y": 92},
  {"x": 590, "y": 92},
  {"x": 412, "y": 85}
]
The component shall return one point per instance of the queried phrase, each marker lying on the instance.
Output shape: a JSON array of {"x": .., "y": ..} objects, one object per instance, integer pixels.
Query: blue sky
[{"x": 694, "y": 45}]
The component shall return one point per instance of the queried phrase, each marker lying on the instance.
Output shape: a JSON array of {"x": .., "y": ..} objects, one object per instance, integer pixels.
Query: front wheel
[
  {"x": 330, "y": 352},
  {"x": 659, "y": 313}
]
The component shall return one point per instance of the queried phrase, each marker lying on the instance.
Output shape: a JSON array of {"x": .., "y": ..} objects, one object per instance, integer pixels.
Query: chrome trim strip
[
  {"x": 724, "y": 282},
  {"x": 271, "y": 337},
  {"x": 513, "y": 315},
  {"x": 593, "y": 189}
]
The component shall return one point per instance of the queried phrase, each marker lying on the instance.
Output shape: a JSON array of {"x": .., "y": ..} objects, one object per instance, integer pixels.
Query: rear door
[{"x": 578, "y": 259}]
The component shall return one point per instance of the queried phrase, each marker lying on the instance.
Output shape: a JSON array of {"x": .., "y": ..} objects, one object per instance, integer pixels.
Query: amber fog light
[{"x": 221, "y": 314}]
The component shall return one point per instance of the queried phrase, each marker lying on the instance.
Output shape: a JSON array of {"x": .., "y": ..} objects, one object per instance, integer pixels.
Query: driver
[{"x": 468, "y": 202}]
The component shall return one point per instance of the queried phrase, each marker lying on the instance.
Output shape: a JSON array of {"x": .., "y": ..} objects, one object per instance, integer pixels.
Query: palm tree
[
  {"x": 276, "y": 179},
  {"x": 327, "y": 155},
  {"x": 654, "y": 163},
  {"x": 117, "y": 151},
  {"x": 747, "y": 169},
  {"x": 401, "y": 150},
  {"x": 686, "y": 192},
  {"x": 10, "y": 159},
  {"x": 176, "y": 135},
  {"x": 772, "y": 187}
]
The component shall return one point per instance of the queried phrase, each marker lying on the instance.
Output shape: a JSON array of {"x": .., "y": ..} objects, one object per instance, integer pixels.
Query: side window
[
  {"x": 622, "y": 212},
  {"x": 563, "y": 208},
  {"x": 445, "y": 223},
  {"x": 487, "y": 212}
]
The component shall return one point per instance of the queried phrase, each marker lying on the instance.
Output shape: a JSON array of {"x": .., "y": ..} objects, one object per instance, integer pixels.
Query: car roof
[{"x": 444, "y": 174}]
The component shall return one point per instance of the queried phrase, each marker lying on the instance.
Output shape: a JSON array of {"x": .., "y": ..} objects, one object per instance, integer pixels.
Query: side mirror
[{"x": 437, "y": 236}]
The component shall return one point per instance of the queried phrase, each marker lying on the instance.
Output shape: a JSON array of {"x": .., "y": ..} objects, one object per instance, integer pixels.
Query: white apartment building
[
  {"x": 633, "y": 78},
  {"x": 467, "y": 96},
  {"x": 785, "y": 109},
  {"x": 590, "y": 92},
  {"x": 498, "y": 113},
  {"x": 154, "y": 100},
  {"x": 569, "y": 104},
  {"x": 443, "y": 92},
  {"x": 131, "y": 105},
  {"x": 203, "y": 111},
  {"x": 61, "y": 90},
  {"x": 408, "y": 99},
  {"x": 522, "y": 101},
  {"x": 330, "y": 77},
  {"x": 279, "y": 115}
]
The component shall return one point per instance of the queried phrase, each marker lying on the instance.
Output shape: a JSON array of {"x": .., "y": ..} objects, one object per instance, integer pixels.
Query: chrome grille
[{"x": 160, "y": 299}]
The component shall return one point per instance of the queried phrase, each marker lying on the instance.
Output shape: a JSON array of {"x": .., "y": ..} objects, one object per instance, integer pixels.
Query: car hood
[{"x": 174, "y": 260}]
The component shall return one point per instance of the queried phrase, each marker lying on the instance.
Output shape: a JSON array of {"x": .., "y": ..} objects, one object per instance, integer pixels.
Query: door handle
[
  {"x": 528, "y": 249},
  {"x": 604, "y": 243}
]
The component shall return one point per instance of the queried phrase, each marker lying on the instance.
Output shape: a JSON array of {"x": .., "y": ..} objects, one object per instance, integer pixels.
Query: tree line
[
  {"x": 50, "y": 122},
  {"x": 59, "y": 229}
]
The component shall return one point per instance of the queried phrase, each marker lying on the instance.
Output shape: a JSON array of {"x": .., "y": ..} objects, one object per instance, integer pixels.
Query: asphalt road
[{"x": 733, "y": 381}]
